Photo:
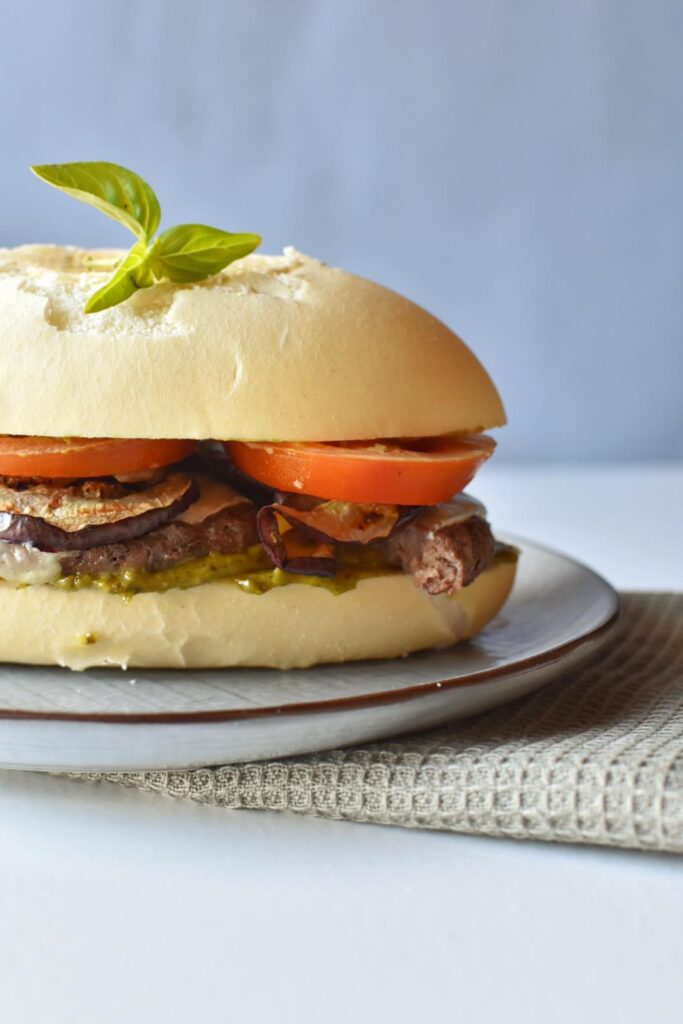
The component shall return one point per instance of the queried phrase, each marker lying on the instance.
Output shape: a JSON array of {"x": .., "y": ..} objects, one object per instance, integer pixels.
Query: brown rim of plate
[{"x": 337, "y": 704}]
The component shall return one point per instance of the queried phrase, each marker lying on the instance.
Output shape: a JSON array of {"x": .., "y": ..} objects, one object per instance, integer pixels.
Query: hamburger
[{"x": 262, "y": 468}]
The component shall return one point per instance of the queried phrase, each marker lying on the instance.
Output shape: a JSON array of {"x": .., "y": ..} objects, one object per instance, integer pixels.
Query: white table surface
[{"x": 123, "y": 907}]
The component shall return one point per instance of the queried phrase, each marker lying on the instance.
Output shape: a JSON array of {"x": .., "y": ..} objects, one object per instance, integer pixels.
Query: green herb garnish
[{"x": 186, "y": 253}]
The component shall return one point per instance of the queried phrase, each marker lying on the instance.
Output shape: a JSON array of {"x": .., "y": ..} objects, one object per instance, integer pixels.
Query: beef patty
[
  {"x": 446, "y": 560},
  {"x": 231, "y": 530},
  {"x": 441, "y": 561}
]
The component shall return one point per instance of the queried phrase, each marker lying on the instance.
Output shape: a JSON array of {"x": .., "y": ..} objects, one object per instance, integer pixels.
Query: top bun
[{"x": 273, "y": 348}]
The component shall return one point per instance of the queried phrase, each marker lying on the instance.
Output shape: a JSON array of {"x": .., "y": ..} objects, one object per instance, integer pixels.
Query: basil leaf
[
  {"x": 119, "y": 193},
  {"x": 187, "y": 253},
  {"x": 192, "y": 252},
  {"x": 130, "y": 275}
]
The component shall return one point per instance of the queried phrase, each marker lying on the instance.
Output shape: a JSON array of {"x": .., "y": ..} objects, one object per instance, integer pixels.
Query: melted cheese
[
  {"x": 22, "y": 563},
  {"x": 457, "y": 510},
  {"x": 214, "y": 496}
]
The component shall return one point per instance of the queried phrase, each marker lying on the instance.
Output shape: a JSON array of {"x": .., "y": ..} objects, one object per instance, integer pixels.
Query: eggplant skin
[
  {"x": 317, "y": 526},
  {"x": 24, "y": 529}
]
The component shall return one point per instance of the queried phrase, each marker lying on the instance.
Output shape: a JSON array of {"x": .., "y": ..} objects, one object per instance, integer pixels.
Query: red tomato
[
  {"x": 420, "y": 471},
  {"x": 85, "y": 456}
]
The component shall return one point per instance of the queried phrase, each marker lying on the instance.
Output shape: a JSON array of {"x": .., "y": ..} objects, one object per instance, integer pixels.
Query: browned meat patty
[
  {"x": 231, "y": 530},
  {"x": 441, "y": 561},
  {"x": 446, "y": 560}
]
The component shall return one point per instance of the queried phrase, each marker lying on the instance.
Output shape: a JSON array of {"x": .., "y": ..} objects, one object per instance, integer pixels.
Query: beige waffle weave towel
[{"x": 596, "y": 757}]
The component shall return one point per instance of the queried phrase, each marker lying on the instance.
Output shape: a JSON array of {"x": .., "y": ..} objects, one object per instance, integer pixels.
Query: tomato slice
[
  {"x": 421, "y": 471},
  {"x": 57, "y": 457}
]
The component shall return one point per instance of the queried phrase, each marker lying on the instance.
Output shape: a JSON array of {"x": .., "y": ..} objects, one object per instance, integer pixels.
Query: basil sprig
[{"x": 184, "y": 254}]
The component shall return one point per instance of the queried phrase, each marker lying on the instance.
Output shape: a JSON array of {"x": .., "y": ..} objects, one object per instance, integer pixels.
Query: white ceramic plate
[{"x": 559, "y": 613}]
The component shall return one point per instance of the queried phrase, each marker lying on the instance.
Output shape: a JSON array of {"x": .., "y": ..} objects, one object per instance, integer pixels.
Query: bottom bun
[{"x": 217, "y": 625}]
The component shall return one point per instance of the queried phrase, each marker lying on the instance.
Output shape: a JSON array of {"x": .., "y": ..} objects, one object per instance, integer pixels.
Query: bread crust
[
  {"x": 273, "y": 348},
  {"x": 217, "y": 625}
]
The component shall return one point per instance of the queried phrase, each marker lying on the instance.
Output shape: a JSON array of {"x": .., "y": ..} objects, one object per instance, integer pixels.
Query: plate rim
[{"x": 384, "y": 697}]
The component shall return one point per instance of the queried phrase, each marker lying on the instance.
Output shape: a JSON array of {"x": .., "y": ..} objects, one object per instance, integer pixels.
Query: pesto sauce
[
  {"x": 505, "y": 553},
  {"x": 251, "y": 570}
]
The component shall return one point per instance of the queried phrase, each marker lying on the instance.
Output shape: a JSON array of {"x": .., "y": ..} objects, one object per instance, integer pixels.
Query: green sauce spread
[
  {"x": 251, "y": 570},
  {"x": 505, "y": 553}
]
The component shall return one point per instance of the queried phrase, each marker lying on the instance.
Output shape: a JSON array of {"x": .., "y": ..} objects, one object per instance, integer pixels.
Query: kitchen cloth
[{"x": 594, "y": 757}]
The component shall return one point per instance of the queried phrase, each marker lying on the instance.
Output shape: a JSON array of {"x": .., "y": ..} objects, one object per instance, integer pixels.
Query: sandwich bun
[
  {"x": 273, "y": 348},
  {"x": 217, "y": 625}
]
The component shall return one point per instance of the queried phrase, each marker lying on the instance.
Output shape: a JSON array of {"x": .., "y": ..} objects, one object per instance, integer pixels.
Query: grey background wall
[{"x": 516, "y": 167}]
